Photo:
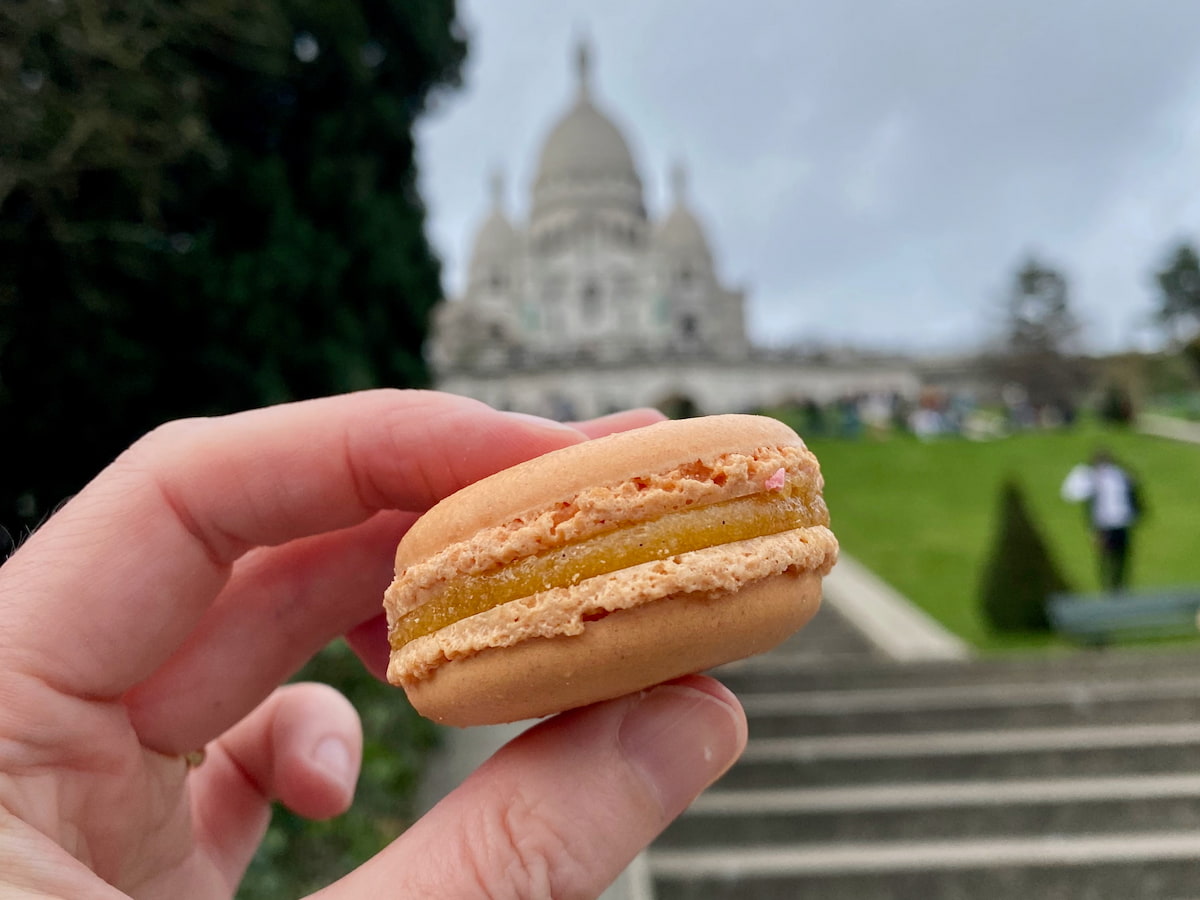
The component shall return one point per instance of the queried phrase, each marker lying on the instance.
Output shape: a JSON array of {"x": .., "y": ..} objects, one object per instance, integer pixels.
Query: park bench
[{"x": 1148, "y": 612}]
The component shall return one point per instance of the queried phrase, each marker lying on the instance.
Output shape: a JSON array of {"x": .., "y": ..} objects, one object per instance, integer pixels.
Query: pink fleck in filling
[{"x": 776, "y": 481}]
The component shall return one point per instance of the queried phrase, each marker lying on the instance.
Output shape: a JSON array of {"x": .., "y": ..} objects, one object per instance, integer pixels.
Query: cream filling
[
  {"x": 565, "y": 611},
  {"x": 627, "y": 545}
]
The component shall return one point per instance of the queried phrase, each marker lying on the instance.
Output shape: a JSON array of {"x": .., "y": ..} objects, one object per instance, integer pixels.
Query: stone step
[
  {"x": 1065, "y": 806},
  {"x": 1066, "y": 775},
  {"x": 956, "y": 707},
  {"x": 828, "y": 632},
  {"x": 1159, "y": 866},
  {"x": 953, "y": 756},
  {"x": 796, "y": 667}
]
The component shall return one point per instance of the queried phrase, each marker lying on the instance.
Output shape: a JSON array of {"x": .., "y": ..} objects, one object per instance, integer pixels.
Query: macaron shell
[
  {"x": 624, "y": 652},
  {"x": 545, "y": 480}
]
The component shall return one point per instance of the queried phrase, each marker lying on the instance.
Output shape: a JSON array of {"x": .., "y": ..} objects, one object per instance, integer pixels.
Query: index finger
[{"x": 111, "y": 586}]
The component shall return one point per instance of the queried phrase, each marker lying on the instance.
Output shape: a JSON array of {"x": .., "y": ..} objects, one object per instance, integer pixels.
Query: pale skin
[{"x": 161, "y": 609}]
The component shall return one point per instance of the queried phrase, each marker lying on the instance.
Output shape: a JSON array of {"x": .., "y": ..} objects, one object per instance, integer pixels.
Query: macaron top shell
[{"x": 540, "y": 483}]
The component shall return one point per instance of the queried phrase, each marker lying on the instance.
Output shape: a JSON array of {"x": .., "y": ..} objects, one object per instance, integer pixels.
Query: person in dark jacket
[{"x": 1113, "y": 507}]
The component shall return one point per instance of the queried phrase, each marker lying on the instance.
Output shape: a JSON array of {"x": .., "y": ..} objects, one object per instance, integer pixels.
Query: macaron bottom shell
[{"x": 625, "y": 651}]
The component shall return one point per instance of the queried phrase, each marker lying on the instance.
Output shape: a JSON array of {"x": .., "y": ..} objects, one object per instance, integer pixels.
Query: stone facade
[{"x": 592, "y": 305}]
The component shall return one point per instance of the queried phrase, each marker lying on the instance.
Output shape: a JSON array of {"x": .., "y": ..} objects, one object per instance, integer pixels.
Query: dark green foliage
[
  {"x": 211, "y": 206},
  {"x": 1191, "y": 353},
  {"x": 299, "y": 857},
  {"x": 198, "y": 214},
  {"x": 1020, "y": 574},
  {"x": 1116, "y": 407}
]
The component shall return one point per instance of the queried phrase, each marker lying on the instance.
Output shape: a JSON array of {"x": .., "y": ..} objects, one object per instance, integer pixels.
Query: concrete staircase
[{"x": 1072, "y": 776}]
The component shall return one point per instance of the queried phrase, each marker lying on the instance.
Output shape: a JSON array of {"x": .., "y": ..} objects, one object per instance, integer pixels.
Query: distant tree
[
  {"x": 1020, "y": 574},
  {"x": 1039, "y": 316},
  {"x": 1038, "y": 348},
  {"x": 1179, "y": 291},
  {"x": 204, "y": 207},
  {"x": 1179, "y": 301}
]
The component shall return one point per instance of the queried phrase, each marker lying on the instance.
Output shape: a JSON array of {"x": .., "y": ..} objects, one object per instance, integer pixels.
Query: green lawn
[{"x": 921, "y": 515}]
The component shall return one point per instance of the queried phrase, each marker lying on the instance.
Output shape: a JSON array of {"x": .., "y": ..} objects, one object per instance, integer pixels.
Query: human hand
[{"x": 159, "y": 611}]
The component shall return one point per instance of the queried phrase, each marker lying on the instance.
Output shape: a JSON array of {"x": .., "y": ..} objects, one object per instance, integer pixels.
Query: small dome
[
  {"x": 497, "y": 242},
  {"x": 496, "y": 239},
  {"x": 681, "y": 232}
]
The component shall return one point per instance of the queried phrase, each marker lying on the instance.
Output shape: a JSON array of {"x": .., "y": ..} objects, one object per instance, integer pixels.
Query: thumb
[{"x": 561, "y": 810}]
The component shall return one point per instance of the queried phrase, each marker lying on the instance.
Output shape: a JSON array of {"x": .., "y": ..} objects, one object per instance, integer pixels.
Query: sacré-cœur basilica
[{"x": 590, "y": 305}]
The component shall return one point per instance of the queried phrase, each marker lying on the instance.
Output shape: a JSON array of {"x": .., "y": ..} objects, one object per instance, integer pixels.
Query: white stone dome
[
  {"x": 585, "y": 144},
  {"x": 585, "y": 161},
  {"x": 497, "y": 242},
  {"x": 681, "y": 233}
]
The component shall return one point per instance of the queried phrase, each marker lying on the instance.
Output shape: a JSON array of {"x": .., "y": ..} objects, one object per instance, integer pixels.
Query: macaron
[{"x": 607, "y": 567}]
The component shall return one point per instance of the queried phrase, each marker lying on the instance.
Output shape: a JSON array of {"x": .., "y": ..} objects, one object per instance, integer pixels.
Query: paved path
[
  {"x": 900, "y": 629},
  {"x": 1168, "y": 427}
]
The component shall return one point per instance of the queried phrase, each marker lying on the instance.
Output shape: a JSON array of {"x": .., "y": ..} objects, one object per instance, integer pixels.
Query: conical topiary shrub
[{"x": 1020, "y": 573}]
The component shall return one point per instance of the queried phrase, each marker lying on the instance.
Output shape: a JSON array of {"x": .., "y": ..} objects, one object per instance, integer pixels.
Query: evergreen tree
[
  {"x": 208, "y": 206},
  {"x": 204, "y": 207},
  {"x": 1020, "y": 574}
]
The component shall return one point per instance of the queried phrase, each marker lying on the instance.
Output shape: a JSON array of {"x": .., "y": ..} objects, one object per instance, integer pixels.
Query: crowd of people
[{"x": 935, "y": 413}]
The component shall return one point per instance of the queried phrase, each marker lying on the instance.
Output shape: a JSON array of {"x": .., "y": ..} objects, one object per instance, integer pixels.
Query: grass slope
[{"x": 922, "y": 514}]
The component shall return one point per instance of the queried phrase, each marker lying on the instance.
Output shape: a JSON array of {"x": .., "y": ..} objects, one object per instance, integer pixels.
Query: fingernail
[
  {"x": 681, "y": 740},
  {"x": 540, "y": 422},
  {"x": 333, "y": 757}
]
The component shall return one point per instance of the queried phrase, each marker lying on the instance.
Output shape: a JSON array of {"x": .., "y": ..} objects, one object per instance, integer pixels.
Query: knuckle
[
  {"x": 154, "y": 443},
  {"x": 527, "y": 853}
]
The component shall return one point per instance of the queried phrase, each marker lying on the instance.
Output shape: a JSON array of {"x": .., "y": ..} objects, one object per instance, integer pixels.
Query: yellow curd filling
[{"x": 627, "y": 545}]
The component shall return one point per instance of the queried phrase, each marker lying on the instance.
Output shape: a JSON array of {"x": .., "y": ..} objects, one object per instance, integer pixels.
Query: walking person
[{"x": 1113, "y": 507}]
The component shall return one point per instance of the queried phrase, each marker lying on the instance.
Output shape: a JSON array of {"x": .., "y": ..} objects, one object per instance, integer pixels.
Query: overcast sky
[{"x": 870, "y": 172}]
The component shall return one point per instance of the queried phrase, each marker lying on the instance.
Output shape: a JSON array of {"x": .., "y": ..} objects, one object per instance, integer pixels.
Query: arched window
[{"x": 590, "y": 306}]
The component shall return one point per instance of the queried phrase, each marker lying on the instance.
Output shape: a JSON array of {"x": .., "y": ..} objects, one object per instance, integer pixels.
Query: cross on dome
[
  {"x": 679, "y": 183},
  {"x": 583, "y": 67},
  {"x": 496, "y": 189}
]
